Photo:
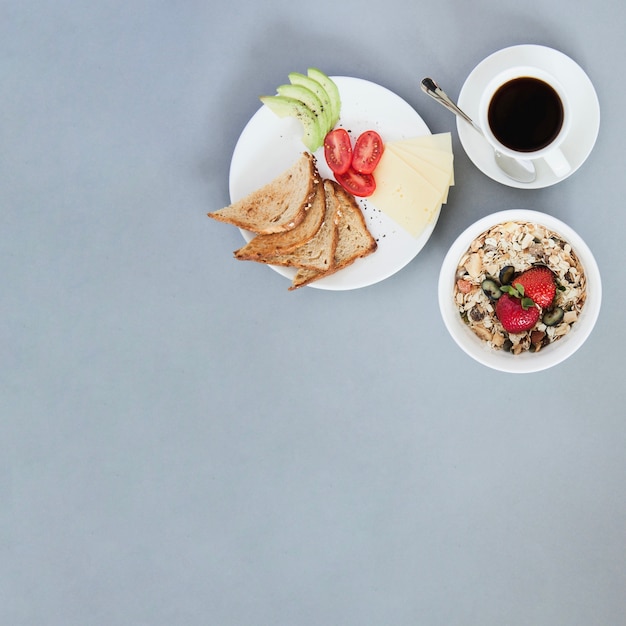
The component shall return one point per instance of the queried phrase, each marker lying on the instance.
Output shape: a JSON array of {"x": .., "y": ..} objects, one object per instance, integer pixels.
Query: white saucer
[{"x": 584, "y": 103}]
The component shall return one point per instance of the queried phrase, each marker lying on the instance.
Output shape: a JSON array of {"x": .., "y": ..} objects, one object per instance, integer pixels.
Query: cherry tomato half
[
  {"x": 367, "y": 152},
  {"x": 356, "y": 183},
  {"x": 338, "y": 150}
]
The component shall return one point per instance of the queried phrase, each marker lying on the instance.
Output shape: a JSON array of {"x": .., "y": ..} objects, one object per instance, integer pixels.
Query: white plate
[
  {"x": 526, "y": 362},
  {"x": 269, "y": 145},
  {"x": 584, "y": 103}
]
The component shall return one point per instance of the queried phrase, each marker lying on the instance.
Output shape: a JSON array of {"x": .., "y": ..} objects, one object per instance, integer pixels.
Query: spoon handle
[{"x": 430, "y": 87}]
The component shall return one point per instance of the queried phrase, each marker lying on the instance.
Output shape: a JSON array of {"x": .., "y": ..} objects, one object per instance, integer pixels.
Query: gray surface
[{"x": 185, "y": 442}]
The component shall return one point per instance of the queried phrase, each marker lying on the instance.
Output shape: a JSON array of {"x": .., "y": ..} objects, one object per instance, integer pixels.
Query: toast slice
[
  {"x": 354, "y": 240},
  {"x": 279, "y": 205},
  {"x": 319, "y": 252},
  {"x": 287, "y": 241}
]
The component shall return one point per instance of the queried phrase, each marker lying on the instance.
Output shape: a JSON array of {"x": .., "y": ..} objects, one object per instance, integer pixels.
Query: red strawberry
[
  {"x": 512, "y": 314},
  {"x": 539, "y": 285}
]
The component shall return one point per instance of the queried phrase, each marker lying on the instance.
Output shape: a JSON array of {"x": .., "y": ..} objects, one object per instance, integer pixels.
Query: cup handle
[{"x": 557, "y": 162}]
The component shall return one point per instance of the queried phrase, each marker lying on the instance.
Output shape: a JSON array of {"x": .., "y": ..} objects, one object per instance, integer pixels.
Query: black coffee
[{"x": 525, "y": 114}]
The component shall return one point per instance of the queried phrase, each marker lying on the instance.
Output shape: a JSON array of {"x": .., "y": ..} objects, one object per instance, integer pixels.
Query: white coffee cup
[{"x": 524, "y": 113}]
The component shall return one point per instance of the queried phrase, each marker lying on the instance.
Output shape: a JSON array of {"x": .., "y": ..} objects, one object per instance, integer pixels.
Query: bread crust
[
  {"x": 317, "y": 253},
  {"x": 278, "y": 206},
  {"x": 301, "y": 221},
  {"x": 354, "y": 240},
  {"x": 285, "y": 242}
]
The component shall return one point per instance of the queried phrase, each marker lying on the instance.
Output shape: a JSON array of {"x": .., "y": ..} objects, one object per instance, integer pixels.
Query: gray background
[{"x": 183, "y": 441}]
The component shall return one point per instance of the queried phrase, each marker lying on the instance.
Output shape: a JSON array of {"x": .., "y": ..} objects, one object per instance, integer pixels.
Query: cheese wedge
[
  {"x": 413, "y": 179},
  {"x": 440, "y": 159},
  {"x": 436, "y": 149},
  {"x": 440, "y": 178},
  {"x": 406, "y": 196}
]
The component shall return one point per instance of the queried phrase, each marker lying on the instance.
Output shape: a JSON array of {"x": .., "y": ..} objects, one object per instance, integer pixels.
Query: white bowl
[{"x": 502, "y": 360}]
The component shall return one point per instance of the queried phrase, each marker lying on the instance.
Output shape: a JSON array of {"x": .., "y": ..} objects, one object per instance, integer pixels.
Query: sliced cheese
[
  {"x": 439, "y": 177},
  {"x": 406, "y": 196},
  {"x": 436, "y": 149},
  {"x": 441, "y": 159}
]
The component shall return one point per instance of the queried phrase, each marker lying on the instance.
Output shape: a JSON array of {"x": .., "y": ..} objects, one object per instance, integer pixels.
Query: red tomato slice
[
  {"x": 338, "y": 150},
  {"x": 356, "y": 183},
  {"x": 367, "y": 152}
]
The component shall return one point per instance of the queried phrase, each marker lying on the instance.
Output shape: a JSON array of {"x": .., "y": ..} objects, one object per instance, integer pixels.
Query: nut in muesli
[{"x": 497, "y": 263}]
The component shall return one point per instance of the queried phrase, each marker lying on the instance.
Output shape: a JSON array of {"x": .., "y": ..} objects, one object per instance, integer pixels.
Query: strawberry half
[
  {"x": 512, "y": 314},
  {"x": 539, "y": 285}
]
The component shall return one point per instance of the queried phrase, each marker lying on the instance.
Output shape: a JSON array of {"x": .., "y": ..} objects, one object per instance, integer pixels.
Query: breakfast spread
[
  {"x": 520, "y": 287},
  {"x": 315, "y": 224},
  {"x": 407, "y": 179}
]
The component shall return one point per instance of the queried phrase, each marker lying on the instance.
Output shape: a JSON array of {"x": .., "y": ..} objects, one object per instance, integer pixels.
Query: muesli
[{"x": 492, "y": 261}]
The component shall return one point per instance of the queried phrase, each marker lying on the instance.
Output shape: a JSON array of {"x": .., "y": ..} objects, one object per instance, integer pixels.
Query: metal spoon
[{"x": 521, "y": 170}]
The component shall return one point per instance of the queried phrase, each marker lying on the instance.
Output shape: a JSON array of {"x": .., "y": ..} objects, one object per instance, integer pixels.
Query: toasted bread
[
  {"x": 354, "y": 240},
  {"x": 317, "y": 253},
  {"x": 287, "y": 241},
  {"x": 277, "y": 206}
]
